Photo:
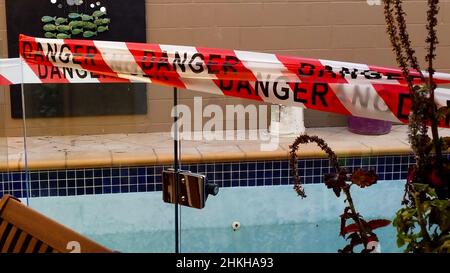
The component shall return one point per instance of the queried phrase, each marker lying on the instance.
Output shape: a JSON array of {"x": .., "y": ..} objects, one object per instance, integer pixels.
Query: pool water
[
  {"x": 272, "y": 219},
  {"x": 287, "y": 238}
]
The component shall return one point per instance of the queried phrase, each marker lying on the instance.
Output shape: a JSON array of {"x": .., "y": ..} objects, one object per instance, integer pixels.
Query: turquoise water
[
  {"x": 288, "y": 238},
  {"x": 273, "y": 219}
]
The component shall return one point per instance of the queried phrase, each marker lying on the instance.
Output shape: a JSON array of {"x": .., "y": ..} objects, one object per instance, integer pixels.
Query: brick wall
[{"x": 338, "y": 30}]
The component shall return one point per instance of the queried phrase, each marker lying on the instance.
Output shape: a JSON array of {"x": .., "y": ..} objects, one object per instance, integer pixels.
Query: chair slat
[
  {"x": 9, "y": 240},
  {"x": 4, "y": 236},
  {"x": 3, "y": 225},
  {"x": 14, "y": 240},
  {"x": 43, "y": 248},
  {"x": 26, "y": 243},
  {"x": 31, "y": 245},
  {"x": 20, "y": 242}
]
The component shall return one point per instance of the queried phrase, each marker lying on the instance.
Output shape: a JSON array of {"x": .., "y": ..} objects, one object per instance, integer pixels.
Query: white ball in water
[
  {"x": 236, "y": 225},
  {"x": 53, "y": 1},
  {"x": 103, "y": 9}
]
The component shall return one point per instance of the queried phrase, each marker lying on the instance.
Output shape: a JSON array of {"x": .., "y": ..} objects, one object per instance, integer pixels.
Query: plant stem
[
  {"x": 422, "y": 222},
  {"x": 434, "y": 121},
  {"x": 435, "y": 132},
  {"x": 432, "y": 42},
  {"x": 362, "y": 229},
  {"x": 304, "y": 139}
]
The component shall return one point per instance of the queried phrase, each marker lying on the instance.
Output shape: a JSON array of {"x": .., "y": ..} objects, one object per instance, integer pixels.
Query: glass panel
[
  {"x": 257, "y": 210},
  {"x": 89, "y": 160},
  {"x": 6, "y": 187},
  {"x": 83, "y": 174},
  {"x": 92, "y": 158},
  {"x": 6, "y": 176}
]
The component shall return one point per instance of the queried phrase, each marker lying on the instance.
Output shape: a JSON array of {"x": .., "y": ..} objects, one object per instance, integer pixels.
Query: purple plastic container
[{"x": 366, "y": 126}]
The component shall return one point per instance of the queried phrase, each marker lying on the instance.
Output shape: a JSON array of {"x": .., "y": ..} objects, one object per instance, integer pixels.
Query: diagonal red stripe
[
  {"x": 155, "y": 64},
  {"x": 225, "y": 65},
  {"x": 48, "y": 73},
  {"x": 314, "y": 93},
  {"x": 107, "y": 74},
  {"x": 4, "y": 81},
  {"x": 396, "y": 98}
]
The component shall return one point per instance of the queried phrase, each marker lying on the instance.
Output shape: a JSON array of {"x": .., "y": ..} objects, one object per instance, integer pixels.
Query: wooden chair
[{"x": 24, "y": 230}]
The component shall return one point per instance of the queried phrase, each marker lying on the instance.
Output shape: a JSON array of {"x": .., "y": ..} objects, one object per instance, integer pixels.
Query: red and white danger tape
[
  {"x": 11, "y": 73},
  {"x": 332, "y": 86}
]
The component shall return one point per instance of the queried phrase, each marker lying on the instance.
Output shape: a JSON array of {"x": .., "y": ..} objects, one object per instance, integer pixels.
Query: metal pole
[
  {"x": 176, "y": 166},
  {"x": 24, "y": 125}
]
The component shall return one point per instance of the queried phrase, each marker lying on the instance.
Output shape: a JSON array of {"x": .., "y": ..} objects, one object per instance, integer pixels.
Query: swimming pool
[{"x": 272, "y": 219}]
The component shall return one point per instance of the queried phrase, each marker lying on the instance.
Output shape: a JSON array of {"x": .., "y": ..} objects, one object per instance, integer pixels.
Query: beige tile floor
[{"x": 56, "y": 152}]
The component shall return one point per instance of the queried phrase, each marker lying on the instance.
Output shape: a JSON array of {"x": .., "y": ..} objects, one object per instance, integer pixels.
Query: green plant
[
  {"x": 432, "y": 215},
  {"x": 423, "y": 223},
  {"x": 360, "y": 232}
]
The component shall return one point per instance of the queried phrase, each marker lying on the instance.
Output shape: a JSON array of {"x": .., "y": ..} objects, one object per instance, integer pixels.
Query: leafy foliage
[
  {"x": 423, "y": 224},
  {"x": 431, "y": 212}
]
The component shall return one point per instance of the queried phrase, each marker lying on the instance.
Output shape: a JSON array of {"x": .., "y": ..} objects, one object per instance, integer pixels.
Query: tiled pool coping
[
  {"x": 103, "y": 164},
  {"x": 116, "y": 150},
  {"x": 227, "y": 174}
]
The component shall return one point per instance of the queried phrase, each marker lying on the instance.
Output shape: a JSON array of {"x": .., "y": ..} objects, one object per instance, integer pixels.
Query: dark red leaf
[
  {"x": 374, "y": 224},
  {"x": 349, "y": 229},
  {"x": 364, "y": 178},
  {"x": 436, "y": 179},
  {"x": 347, "y": 249},
  {"x": 337, "y": 191},
  {"x": 355, "y": 240},
  {"x": 411, "y": 173},
  {"x": 342, "y": 226},
  {"x": 336, "y": 182}
]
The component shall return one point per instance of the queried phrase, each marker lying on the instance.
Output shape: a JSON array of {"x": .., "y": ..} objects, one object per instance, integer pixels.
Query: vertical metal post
[
  {"x": 176, "y": 166},
  {"x": 24, "y": 124}
]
